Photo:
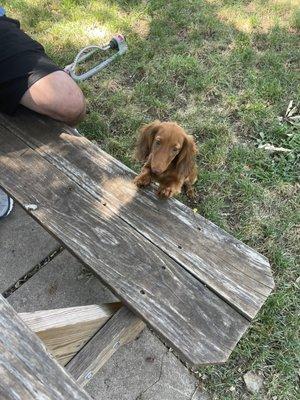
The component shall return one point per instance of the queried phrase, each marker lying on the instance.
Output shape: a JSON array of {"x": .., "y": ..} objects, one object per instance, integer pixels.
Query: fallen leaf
[
  {"x": 289, "y": 115},
  {"x": 290, "y": 106},
  {"x": 270, "y": 147}
]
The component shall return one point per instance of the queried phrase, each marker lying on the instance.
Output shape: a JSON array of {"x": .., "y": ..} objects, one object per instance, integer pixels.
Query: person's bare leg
[{"x": 56, "y": 95}]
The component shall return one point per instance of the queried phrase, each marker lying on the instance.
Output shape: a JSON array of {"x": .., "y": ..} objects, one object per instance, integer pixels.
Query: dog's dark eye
[
  {"x": 157, "y": 142},
  {"x": 175, "y": 150}
]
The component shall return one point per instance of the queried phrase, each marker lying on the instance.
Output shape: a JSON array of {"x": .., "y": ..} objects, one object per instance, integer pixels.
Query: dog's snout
[{"x": 156, "y": 171}]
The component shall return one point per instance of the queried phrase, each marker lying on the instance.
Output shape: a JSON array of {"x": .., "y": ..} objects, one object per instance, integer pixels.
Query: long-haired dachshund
[{"x": 168, "y": 153}]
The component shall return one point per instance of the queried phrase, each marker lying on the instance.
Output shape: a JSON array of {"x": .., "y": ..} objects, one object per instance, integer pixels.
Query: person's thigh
[{"x": 58, "y": 96}]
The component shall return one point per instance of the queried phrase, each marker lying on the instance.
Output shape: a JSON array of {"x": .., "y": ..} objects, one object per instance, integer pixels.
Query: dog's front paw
[
  {"x": 166, "y": 192},
  {"x": 142, "y": 180},
  {"x": 191, "y": 193}
]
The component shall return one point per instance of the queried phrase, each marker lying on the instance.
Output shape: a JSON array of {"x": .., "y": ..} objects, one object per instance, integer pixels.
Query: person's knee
[
  {"x": 57, "y": 96},
  {"x": 74, "y": 108}
]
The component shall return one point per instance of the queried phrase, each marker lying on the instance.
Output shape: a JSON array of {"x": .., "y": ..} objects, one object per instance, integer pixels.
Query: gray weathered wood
[
  {"x": 192, "y": 319},
  {"x": 233, "y": 270},
  {"x": 26, "y": 370},
  {"x": 122, "y": 328}
]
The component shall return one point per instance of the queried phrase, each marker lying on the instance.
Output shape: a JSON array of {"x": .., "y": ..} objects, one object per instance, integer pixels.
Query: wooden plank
[
  {"x": 233, "y": 270},
  {"x": 121, "y": 329},
  {"x": 65, "y": 331},
  {"x": 190, "y": 318},
  {"x": 26, "y": 370}
]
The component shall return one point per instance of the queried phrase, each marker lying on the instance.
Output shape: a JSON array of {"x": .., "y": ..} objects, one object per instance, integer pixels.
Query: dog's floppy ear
[
  {"x": 145, "y": 140},
  {"x": 185, "y": 163}
]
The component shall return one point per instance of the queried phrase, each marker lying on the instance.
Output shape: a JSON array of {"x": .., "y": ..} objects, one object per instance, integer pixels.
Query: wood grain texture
[
  {"x": 189, "y": 317},
  {"x": 27, "y": 371},
  {"x": 230, "y": 268},
  {"x": 122, "y": 328},
  {"x": 65, "y": 331}
]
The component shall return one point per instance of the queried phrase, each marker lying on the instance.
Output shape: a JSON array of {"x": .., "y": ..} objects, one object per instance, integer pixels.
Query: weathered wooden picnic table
[{"x": 194, "y": 284}]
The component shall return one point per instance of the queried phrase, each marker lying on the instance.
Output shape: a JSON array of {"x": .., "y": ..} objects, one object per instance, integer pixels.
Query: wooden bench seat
[{"x": 194, "y": 284}]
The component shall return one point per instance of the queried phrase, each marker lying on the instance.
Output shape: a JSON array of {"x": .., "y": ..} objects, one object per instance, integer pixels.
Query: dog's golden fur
[{"x": 168, "y": 153}]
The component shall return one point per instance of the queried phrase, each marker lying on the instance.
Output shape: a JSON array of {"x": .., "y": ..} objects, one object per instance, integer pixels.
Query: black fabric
[
  {"x": 11, "y": 91},
  {"x": 13, "y": 40},
  {"x": 26, "y": 63},
  {"x": 23, "y": 62}
]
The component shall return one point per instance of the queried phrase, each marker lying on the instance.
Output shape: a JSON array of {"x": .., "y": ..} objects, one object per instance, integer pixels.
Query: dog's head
[{"x": 161, "y": 143}]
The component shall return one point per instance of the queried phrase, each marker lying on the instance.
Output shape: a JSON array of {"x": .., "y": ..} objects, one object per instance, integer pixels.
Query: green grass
[{"x": 225, "y": 70}]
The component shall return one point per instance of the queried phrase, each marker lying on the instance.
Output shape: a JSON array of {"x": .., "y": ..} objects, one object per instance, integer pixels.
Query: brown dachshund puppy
[{"x": 168, "y": 154}]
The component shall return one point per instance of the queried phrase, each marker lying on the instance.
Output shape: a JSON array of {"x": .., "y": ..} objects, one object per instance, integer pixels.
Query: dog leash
[{"x": 117, "y": 43}]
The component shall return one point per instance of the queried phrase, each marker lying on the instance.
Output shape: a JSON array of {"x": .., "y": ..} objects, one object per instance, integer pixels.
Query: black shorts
[
  {"x": 11, "y": 91},
  {"x": 24, "y": 62}
]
